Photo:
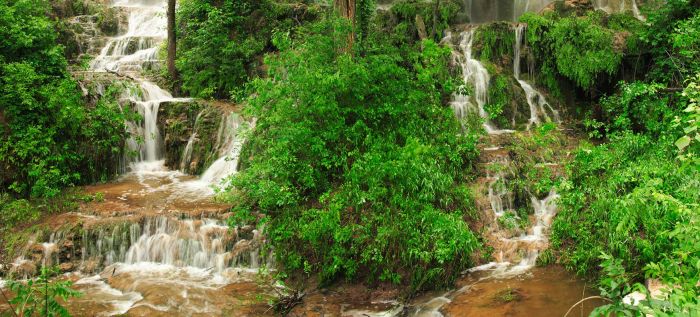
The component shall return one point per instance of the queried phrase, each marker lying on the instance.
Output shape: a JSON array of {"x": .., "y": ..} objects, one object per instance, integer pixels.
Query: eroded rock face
[
  {"x": 190, "y": 132},
  {"x": 85, "y": 25},
  {"x": 570, "y": 7}
]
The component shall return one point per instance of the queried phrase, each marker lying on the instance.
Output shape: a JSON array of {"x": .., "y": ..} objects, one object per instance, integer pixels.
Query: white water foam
[
  {"x": 474, "y": 74},
  {"x": 536, "y": 101}
]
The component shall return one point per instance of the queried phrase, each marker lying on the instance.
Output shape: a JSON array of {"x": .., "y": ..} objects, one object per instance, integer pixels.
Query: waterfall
[
  {"x": 636, "y": 13},
  {"x": 611, "y": 6},
  {"x": 129, "y": 53},
  {"x": 230, "y": 142},
  {"x": 474, "y": 74},
  {"x": 536, "y": 101},
  {"x": 187, "y": 153},
  {"x": 483, "y": 11},
  {"x": 515, "y": 250}
]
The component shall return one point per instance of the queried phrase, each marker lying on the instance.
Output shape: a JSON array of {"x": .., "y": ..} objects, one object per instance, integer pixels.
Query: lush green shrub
[
  {"x": 406, "y": 11},
  {"x": 672, "y": 41},
  {"x": 356, "y": 162},
  {"x": 38, "y": 297},
  {"x": 495, "y": 42},
  {"x": 221, "y": 43},
  {"x": 587, "y": 50},
  {"x": 50, "y": 139},
  {"x": 609, "y": 203},
  {"x": 637, "y": 107}
]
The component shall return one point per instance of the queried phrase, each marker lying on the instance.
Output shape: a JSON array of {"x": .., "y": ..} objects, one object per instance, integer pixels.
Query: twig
[
  {"x": 583, "y": 293},
  {"x": 8, "y": 303},
  {"x": 583, "y": 300}
]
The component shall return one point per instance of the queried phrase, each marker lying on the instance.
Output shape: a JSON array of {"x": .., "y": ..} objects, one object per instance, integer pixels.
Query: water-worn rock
[{"x": 190, "y": 134}]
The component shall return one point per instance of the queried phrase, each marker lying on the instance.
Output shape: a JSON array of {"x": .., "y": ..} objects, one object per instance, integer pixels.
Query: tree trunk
[
  {"x": 172, "y": 45},
  {"x": 346, "y": 8}
]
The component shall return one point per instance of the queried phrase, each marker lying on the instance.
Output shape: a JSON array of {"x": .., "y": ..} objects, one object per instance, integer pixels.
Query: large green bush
[
  {"x": 587, "y": 50},
  {"x": 49, "y": 136},
  {"x": 357, "y": 164},
  {"x": 221, "y": 43}
]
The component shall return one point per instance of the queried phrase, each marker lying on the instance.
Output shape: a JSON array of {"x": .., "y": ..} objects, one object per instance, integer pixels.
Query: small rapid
[
  {"x": 157, "y": 244},
  {"x": 474, "y": 75},
  {"x": 515, "y": 252},
  {"x": 540, "y": 109}
]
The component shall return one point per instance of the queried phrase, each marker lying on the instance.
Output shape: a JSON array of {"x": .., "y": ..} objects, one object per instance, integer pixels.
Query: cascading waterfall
[
  {"x": 130, "y": 53},
  {"x": 536, "y": 101},
  {"x": 474, "y": 74},
  {"x": 515, "y": 253},
  {"x": 155, "y": 247},
  {"x": 205, "y": 244},
  {"x": 611, "y": 6},
  {"x": 187, "y": 153},
  {"x": 230, "y": 143}
]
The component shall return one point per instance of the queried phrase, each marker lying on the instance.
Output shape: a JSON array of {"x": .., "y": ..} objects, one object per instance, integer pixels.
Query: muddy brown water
[
  {"x": 151, "y": 289},
  {"x": 548, "y": 291}
]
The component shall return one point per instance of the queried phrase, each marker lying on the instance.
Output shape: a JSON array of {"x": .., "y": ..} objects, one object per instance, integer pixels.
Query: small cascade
[
  {"x": 539, "y": 107},
  {"x": 635, "y": 11},
  {"x": 134, "y": 260},
  {"x": 611, "y": 6},
  {"x": 187, "y": 153},
  {"x": 475, "y": 75},
  {"x": 147, "y": 99},
  {"x": 229, "y": 141},
  {"x": 198, "y": 243},
  {"x": 50, "y": 249},
  {"x": 483, "y": 11},
  {"x": 500, "y": 197}
]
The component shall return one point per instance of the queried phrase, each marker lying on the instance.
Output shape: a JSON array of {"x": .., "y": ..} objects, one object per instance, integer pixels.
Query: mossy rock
[
  {"x": 495, "y": 43},
  {"x": 181, "y": 122},
  {"x": 108, "y": 21},
  {"x": 507, "y": 102}
]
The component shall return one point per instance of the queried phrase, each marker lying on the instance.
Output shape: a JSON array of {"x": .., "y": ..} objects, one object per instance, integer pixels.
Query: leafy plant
[
  {"x": 357, "y": 164},
  {"x": 38, "y": 297},
  {"x": 51, "y": 137}
]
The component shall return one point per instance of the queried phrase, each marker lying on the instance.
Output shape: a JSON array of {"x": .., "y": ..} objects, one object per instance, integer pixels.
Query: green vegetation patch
[{"x": 357, "y": 164}]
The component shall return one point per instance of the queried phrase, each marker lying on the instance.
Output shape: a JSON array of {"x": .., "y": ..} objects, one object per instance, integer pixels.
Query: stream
[{"x": 156, "y": 244}]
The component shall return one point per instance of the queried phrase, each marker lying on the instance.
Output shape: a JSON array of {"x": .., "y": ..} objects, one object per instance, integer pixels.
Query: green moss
[
  {"x": 495, "y": 43},
  {"x": 499, "y": 99},
  {"x": 405, "y": 12},
  {"x": 546, "y": 258},
  {"x": 507, "y": 295}
]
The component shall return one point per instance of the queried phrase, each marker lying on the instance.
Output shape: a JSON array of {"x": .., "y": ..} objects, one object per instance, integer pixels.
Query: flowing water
[
  {"x": 512, "y": 285},
  {"x": 539, "y": 107},
  {"x": 611, "y": 6},
  {"x": 475, "y": 76},
  {"x": 155, "y": 244}
]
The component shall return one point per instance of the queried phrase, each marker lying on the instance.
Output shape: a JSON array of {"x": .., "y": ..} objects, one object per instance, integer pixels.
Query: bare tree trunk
[
  {"x": 346, "y": 8},
  {"x": 172, "y": 45}
]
